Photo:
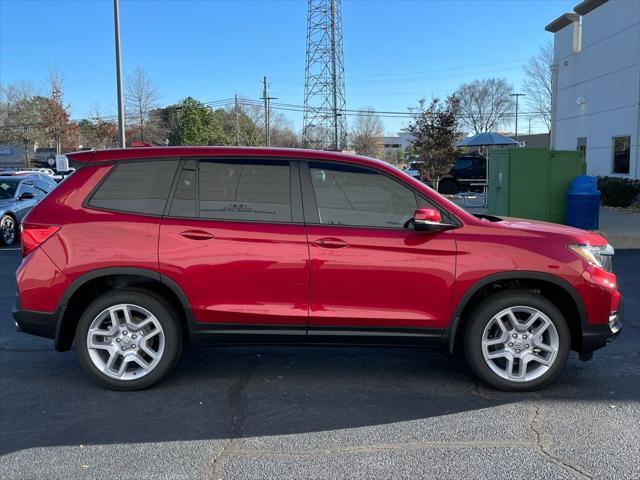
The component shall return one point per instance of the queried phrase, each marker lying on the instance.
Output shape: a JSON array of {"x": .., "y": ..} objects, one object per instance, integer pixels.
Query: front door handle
[
  {"x": 197, "y": 235},
  {"x": 330, "y": 243}
]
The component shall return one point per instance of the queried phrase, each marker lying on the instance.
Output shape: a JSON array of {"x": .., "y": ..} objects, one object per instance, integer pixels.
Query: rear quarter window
[{"x": 137, "y": 187}]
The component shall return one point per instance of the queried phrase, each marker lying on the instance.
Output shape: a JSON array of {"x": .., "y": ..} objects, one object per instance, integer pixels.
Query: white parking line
[{"x": 9, "y": 249}]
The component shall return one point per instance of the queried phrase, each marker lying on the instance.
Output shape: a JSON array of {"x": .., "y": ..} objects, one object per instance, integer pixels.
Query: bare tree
[
  {"x": 141, "y": 97},
  {"x": 484, "y": 104},
  {"x": 282, "y": 133},
  {"x": 366, "y": 133},
  {"x": 105, "y": 129},
  {"x": 537, "y": 84},
  {"x": 54, "y": 115},
  {"x": 249, "y": 121}
]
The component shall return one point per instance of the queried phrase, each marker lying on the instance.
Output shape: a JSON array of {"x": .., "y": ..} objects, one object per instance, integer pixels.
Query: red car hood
[{"x": 577, "y": 235}]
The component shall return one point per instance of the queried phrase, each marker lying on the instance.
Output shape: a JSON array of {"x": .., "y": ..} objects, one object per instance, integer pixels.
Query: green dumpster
[{"x": 532, "y": 182}]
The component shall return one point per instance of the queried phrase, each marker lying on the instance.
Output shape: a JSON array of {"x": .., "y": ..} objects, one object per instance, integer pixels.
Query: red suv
[{"x": 142, "y": 250}]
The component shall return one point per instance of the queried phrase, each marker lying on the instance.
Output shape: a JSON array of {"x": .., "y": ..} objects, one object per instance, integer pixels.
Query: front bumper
[{"x": 595, "y": 337}]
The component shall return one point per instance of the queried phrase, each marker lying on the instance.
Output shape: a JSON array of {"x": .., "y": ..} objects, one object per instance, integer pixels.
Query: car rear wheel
[
  {"x": 517, "y": 341},
  {"x": 8, "y": 230},
  {"x": 128, "y": 339}
]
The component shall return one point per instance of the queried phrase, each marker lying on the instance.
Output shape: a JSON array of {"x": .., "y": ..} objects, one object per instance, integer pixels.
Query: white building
[{"x": 596, "y": 85}]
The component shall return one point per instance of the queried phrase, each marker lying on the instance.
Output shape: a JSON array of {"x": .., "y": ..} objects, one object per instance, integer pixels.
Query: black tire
[
  {"x": 9, "y": 230},
  {"x": 164, "y": 313},
  {"x": 448, "y": 186},
  {"x": 483, "y": 314}
]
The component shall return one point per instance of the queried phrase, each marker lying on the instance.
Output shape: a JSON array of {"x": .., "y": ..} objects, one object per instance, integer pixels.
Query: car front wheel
[
  {"x": 517, "y": 341},
  {"x": 128, "y": 339}
]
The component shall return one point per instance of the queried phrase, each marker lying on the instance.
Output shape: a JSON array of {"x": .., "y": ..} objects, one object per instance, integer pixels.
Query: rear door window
[
  {"x": 137, "y": 187},
  {"x": 251, "y": 191}
]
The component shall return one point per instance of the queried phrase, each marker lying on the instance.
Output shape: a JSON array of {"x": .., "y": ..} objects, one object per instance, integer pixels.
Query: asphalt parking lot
[{"x": 266, "y": 413}]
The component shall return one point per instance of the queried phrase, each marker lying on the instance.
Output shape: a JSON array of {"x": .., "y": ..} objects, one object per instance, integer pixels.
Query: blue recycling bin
[{"x": 583, "y": 203}]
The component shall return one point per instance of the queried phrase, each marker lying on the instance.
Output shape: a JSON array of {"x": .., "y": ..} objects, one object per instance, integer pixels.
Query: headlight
[{"x": 597, "y": 255}]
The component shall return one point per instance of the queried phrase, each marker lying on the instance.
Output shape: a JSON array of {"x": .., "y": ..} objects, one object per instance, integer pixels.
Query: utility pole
[
  {"x": 116, "y": 22},
  {"x": 517, "y": 95},
  {"x": 237, "y": 121},
  {"x": 267, "y": 99}
]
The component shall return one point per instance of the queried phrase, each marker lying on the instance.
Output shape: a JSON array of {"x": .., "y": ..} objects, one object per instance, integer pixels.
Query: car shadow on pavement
[{"x": 230, "y": 392}]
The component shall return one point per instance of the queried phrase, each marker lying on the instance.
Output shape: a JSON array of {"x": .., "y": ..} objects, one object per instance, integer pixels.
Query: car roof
[
  {"x": 92, "y": 156},
  {"x": 26, "y": 175},
  {"x": 13, "y": 177}
]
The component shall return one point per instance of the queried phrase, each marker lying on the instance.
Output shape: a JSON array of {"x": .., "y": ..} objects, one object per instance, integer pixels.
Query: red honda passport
[{"x": 144, "y": 250}]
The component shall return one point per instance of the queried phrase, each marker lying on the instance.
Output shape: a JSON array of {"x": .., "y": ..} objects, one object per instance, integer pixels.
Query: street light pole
[
  {"x": 116, "y": 23},
  {"x": 517, "y": 95}
]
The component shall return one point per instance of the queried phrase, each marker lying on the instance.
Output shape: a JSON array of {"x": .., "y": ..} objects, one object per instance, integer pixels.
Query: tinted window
[
  {"x": 184, "y": 200},
  {"x": 245, "y": 191},
  {"x": 480, "y": 166},
  {"x": 355, "y": 196},
  {"x": 140, "y": 187},
  {"x": 464, "y": 166}
]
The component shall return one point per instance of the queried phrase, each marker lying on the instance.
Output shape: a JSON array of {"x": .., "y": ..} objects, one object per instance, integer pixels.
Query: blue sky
[{"x": 395, "y": 51}]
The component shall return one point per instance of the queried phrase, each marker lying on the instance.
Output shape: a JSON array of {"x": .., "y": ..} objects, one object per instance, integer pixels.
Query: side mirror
[
  {"x": 27, "y": 196},
  {"x": 429, "y": 220}
]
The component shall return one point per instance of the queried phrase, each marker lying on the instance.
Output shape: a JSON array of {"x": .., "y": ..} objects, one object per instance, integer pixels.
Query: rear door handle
[
  {"x": 197, "y": 235},
  {"x": 330, "y": 243}
]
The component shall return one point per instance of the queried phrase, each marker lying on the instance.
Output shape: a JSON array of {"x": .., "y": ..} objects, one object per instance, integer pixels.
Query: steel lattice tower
[{"x": 325, "y": 125}]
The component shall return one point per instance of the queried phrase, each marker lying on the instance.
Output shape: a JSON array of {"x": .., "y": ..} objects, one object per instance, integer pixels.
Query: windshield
[{"x": 8, "y": 188}]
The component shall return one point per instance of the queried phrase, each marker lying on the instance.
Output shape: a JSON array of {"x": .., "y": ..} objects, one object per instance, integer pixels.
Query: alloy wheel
[
  {"x": 520, "y": 344},
  {"x": 8, "y": 230},
  {"x": 125, "y": 342}
]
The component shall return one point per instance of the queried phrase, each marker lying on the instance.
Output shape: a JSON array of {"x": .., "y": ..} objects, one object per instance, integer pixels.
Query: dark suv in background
[{"x": 468, "y": 169}]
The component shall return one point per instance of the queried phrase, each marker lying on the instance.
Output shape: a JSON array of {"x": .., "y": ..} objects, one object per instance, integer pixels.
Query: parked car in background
[
  {"x": 144, "y": 249},
  {"x": 58, "y": 176},
  {"x": 19, "y": 193},
  {"x": 467, "y": 169},
  {"x": 413, "y": 169}
]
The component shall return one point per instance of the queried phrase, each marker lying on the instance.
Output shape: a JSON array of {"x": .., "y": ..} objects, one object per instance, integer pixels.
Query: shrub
[{"x": 618, "y": 192}]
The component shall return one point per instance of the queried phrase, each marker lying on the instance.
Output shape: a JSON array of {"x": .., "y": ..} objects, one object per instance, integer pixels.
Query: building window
[{"x": 621, "y": 154}]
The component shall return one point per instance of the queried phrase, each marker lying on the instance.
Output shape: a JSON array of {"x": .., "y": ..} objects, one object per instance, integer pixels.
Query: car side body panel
[
  {"x": 386, "y": 278},
  {"x": 91, "y": 239},
  {"x": 242, "y": 273}
]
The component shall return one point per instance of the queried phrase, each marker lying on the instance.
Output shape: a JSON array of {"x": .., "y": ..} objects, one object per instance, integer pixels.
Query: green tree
[
  {"x": 434, "y": 131},
  {"x": 191, "y": 122}
]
